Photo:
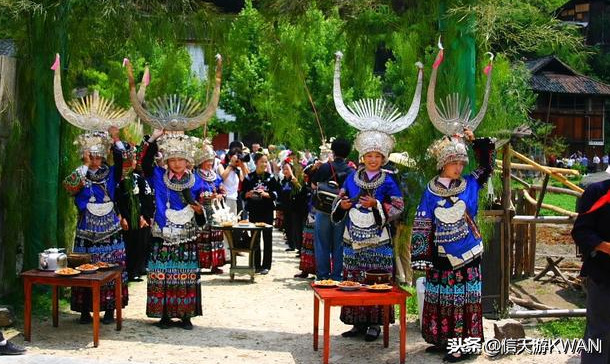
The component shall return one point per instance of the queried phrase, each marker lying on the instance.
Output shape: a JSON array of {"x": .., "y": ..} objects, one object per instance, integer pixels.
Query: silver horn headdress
[
  {"x": 376, "y": 119},
  {"x": 93, "y": 112},
  {"x": 173, "y": 112},
  {"x": 452, "y": 116}
]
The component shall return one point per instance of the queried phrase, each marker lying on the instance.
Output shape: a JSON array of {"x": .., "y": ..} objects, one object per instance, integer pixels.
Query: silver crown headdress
[
  {"x": 205, "y": 153},
  {"x": 175, "y": 145},
  {"x": 93, "y": 113},
  {"x": 452, "y": 116},
  {"x": 376, "y": 119}
]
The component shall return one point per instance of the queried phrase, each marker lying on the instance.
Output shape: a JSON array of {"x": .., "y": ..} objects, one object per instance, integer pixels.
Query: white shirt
[{"x": 231, "y": 184}]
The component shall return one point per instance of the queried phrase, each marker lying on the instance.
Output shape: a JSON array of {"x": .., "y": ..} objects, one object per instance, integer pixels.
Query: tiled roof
[
  {"x": 549, "y": 74},
  {"x": 7, "y": 47}
]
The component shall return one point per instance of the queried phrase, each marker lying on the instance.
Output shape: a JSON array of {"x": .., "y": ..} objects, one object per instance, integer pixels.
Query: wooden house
[
  {"x": 594, "y": 18},
  {"x": 576, "y": 104}
]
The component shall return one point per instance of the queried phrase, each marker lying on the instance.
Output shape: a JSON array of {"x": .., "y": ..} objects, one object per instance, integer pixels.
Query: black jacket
[
  {"x": 590, "y": 230},
  {"x": 265, "y": 182},
  {"x": 324, "y": 173}
]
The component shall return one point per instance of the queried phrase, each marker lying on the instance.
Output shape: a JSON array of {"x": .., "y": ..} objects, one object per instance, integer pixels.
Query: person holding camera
[
  {"x": 233, "y": 172},
  {"x": 260, "y": 191},
  {"x": 328, "y": 237}
]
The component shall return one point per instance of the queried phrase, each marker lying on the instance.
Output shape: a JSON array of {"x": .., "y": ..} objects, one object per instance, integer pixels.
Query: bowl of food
[
  {"x": 104, "y": 265},
  {"x": 326, "y": 283},
  {"x": 226, "y": 223},
  {"x": 375, "y": 276},
  {"x": 349, "y": 286},
  {"x": 76, "y": 259},
  {"x": 87, "y": 268},
  {"x": 260, "y": 224},
  {"x": 379, "y": 287},
  {"x": 67, "y": 272}
]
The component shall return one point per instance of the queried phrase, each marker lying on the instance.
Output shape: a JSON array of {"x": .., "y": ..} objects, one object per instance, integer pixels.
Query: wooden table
[
  {"x": 335, "y": 297},
  {"x": 230, "y": 233},
  {"x": 93, "y": 281}
]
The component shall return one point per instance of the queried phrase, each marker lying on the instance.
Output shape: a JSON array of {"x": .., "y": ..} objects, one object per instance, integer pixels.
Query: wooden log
[
  {"x": 533, "y": 201},
  {"x": 521, "y": 180},
  {"x": 521, "y": 219},
  {"x": 528, "y": 167},
  {"x": 558, "y": 190},
  {"x": 530, "y": 304},
  {"x": 549, "y": 171},
  {"x": 577, "y": 312}
]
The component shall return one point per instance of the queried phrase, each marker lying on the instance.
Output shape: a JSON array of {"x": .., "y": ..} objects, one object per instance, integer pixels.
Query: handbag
[{"x": 326, "y": 193}]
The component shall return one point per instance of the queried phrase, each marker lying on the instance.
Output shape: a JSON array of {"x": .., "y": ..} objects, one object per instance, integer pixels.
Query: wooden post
[
  {"x": 520, "y": 236},
  {"x": 531, "y": 239},
  {"x": 507, "y": 231}
]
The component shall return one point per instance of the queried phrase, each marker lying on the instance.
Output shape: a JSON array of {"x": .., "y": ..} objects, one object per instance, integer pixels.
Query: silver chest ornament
[
  {"x": 450, "y": 215},
  {"x": 100, "y": 209},
  {"x": 180, "y": 217}
]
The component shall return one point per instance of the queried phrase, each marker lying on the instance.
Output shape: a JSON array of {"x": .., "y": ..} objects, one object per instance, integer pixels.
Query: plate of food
[
  {"x": 226, "y": 223},
  {"x": 349, "y": 286},
  {"x": 260, "y": 224},
  {"x": 87, "y": 268},
  {"x": 326, "y": 283},
  {"x": 67, "y": 272},
  {"x": 104, "y": 265},
  {"x": 379, "y": 287}
]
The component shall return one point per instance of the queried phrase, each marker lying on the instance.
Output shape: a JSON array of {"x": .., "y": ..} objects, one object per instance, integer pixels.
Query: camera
[{"x": 237, "y": 151}]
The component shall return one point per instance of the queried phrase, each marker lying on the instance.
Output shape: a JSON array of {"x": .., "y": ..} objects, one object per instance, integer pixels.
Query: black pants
[
  {"x": 598, "y": 322},
  {"x": 293, "y": 225},
  {"x": 265, "y": 216},
  {"x": 137, "y": 248}
]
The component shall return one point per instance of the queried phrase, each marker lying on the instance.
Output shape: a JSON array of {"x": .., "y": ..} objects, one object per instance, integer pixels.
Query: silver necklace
[
  {"x": 208, "y": 176},
  {"x": 369, "y": 185},
  {"x": 439, "y": 190},
  {"x": 180, "y": 185}
]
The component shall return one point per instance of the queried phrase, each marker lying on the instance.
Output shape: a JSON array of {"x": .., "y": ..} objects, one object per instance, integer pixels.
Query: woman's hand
[
  {"x": 87, "y": 158},
  {"x": 265, "y": 194},
  {"x": 345, "y": 203},
  {"x": 143, "y": 222},
  {"x": 249, "y": 194},
  {"x": 156, "y": 134},
  {"x": 197, "y": 208},
  {"x": 114, "y": 133},
  {"x": 368, "y": 201},
  {"x": 124, "y": 224},
  {"x": 468, "y": 135}
]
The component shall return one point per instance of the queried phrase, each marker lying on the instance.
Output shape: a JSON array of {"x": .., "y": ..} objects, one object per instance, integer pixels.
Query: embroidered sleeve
[
  {"x": 74, "y": 182},
  {"x": 485, "y": 155},
  {"x": 393, "y": 206},
  {"x": 337, "y": 213},
  {"x": 422, "y": 246},
  {"x": 146, "y": 160}
]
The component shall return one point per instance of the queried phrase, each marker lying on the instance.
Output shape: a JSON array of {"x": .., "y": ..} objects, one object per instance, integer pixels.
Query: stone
[
  {"x": 508, "y": 329},
  {"x": 7, "y": 318}
]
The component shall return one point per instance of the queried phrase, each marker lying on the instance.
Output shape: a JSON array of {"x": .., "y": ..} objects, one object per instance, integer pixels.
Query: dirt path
[{"x": 269, "y": 321}]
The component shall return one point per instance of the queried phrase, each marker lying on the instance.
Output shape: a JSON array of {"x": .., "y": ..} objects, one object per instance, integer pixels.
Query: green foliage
[
  {"x": 524, "y": 28},
  {"x": 567, "y": 328}
]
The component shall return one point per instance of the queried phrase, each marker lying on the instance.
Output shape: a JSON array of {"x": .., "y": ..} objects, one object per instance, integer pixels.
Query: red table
[
  {"x": 93, "y": 281},
  {"x": 335, "y": 297}
]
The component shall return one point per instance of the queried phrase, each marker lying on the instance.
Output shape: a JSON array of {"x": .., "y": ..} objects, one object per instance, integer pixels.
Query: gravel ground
[{"x": 269, "y": 321}]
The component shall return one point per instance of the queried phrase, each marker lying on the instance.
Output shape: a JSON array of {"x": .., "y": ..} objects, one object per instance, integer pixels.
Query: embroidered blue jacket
[{"x": 444, "y": 228}]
